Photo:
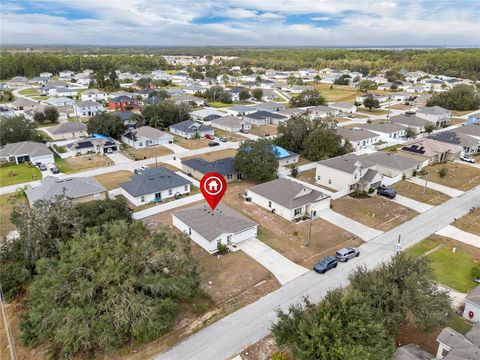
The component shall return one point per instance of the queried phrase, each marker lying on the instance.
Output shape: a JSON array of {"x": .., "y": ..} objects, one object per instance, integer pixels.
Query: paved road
[
  {"x": 282, "y": 268},
  {"x": 230, "y": 335}
]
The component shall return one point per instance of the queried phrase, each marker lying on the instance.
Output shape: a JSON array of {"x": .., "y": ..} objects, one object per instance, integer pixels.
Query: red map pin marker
[{"x": 213, "y": 186}]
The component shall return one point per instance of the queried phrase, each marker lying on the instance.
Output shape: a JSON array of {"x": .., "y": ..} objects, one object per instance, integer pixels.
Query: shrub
[
  {"x": 476, "y": 272},
  {"x": 371, "y": 190},
  {"x": 414, "y": 173},
  {"x": 222, "y": 249},
  {"x": 443, "y": 172},
  {"x": 294, "y": 171},
  {"x": 279, "y": 356}
]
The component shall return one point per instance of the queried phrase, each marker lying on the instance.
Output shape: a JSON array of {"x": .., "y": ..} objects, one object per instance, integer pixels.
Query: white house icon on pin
[{"x": 213, "y": 185}]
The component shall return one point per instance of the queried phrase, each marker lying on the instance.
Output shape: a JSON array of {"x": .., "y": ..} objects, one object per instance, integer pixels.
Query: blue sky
[{"x": 241, "y": 23}]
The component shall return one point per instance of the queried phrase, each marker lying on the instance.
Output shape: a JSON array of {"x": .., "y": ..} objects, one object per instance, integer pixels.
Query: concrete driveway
[
  {"x": 460, "y": 235},
  {"x": 118, "y": 158},
  {"x": 442, "y": 188},
  {"x": 281, "y": 267},
  {"x": 412, "y": 204}
]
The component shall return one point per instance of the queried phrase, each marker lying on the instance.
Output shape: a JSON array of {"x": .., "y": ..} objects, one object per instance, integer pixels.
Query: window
[
  {"x": 229, "y": 176},
  {"x": 269, "y": 204},
  {"x": 169, "y": 191},
  {"x": 297, "y": 211},
  {"x": 185, "y": 188},
  {"x": 142, "y": 198},
  {"x": 219, "y": 241},
  {"x": 329, "y": 181},
  {"x": 318, "y": 177},
  {"x": 189, "y": 231}
]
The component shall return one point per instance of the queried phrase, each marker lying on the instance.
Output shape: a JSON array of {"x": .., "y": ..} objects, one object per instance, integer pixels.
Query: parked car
[
  {"x": 327, "y": 263},
  {"x": 54, "y": 170},
  {"x": 213, "y": 143},
  {"x": 145, "y": 167},
  {"x": 387, "y": 192},
  {"x": 243, "y": 131},
  {"x": 223, "y": 139},
  {"x": 137, "y": 171},
  {"x": 210, "y": 137},
  {"x": 345, "y": 254},
  {"x": 42, "y": 167},
  {"x": 467, "y": 159}
]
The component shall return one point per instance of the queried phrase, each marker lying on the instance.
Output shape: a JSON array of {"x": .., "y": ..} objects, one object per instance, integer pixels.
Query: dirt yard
[
  {"x": 469, "y": 222},
  {"x": 84, "y": 162},
  {"x": 214, "y": 155},
  {"x": 113, "y": 179},
  {"x": 287, "y": 237},
  {"x": 140, "y": 154},
  {"x": 264, "y": 130},
  {"x": 459, "y": 176},
  {"x": 7, "y": 203},
  {"x": 376, "y": 212},
  {"x": 230, "y": 136},
  {"x": 416, "y": 192},
  {"x": 191, "y": 144}
]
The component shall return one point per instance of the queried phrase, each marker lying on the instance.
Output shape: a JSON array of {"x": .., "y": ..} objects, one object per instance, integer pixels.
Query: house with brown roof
[
  {"x": 288, "y": 199},
  {"x": 432, "y": 150}
]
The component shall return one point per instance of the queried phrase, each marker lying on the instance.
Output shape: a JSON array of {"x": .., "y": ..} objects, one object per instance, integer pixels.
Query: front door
[
  {"x": 158, "y": 196},
  {"x": 229, "y": 239}
]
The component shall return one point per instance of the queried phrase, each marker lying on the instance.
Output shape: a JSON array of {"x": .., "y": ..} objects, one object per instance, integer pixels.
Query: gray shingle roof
[
  {"x": 190, "y": 126},
  {"x": 355, "y": 134},
  {"x": 147, "y": 132},
  {"x": 287, "y": 193},
  {"x": 76, "y": 187},
  {"x": 264, "y": 115},
  {"x": 68, "y": 127},
  {"x": 224, "y": 166},
  {"x": 25, "y": 148},
  {"x": 384, "y": 127},
  {"x": 211, "y": 224},
  {"x": 347, "y": 163},
  {"x": 393, "y": 161},
  {"x": 455, "y": 137},
  {"x": 409, "y": 120},
  {"x": 434, "y": 110},
  {"x": 411, "y": 352},
  {"x": 153, "y": 180},
  {"x": 474, "y": 296},
  {"x": 228, "y": 120}
]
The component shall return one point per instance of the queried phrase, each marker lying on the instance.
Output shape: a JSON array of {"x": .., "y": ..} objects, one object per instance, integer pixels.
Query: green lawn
[
  {"x": 29, "y": 91},
  {"x": 62, "y": 165},
  {"x": 218, "y": 104},
  {"x": 459, "y": 324},
  {"x": 16, "y": 174},
  {"x": 452, "y": 269}
]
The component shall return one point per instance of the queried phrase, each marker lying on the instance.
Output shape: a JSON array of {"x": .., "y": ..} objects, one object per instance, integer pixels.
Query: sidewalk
[
  {"x": 281, "y": 267},
  {"x": 412, "y": 204},
  {"x": 362, "y": 231},
  {"x": 460, "y": 235},
  {"x": 431, "y": 185}
]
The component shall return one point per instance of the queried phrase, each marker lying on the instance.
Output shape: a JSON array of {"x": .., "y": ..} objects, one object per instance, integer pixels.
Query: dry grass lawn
[
  {"x": 113, "y": 179},
  {"x": 264, "y": 130},
  {"x": 416, "y": 192},
  {"x": 373, "y": 111},
  {"x": 230, "y": 136},
  {"x": 375, "y": 212},
  {"x": 6, "y": 208},
  {"x": 401, "y": 107},
  {"x": 214, "y": 155},
  {"x": 456, "y": 121},
  {"x": 469, "y": 222},
  {"x": 337, "y": 93},
  {"x": 191, "y": 144},
  {"x": 89, "y": 161},
  {"x": 459, "y": 176},
  {"x": 140, "y": 154},
  {"x": 287, "y": 237}
]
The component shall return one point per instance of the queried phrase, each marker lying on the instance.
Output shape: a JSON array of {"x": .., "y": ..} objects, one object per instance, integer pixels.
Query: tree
[
  {"x": 256, "y": 160},
  {"x": 114, "y": 283},
  {"x": 371, "y": 103},
  {"x": 257, "y": 94},
  {"x": 244, "y": 95},
  {"x": 342, "y": 326},
  {"x": 402, "y": 292},
  {"x": 410, "y": 133},
  {"x": 258, "y": 80},
  {"x": 323, "y": 143},
  {"x": 292, "y": 133},
  {"x": 366, "y": 85},
  {"x": 144, "y": 82},
  {"x": 39, "y": 117},
  {"x": 343, "y": 80},
  {"x": 317, "y": 79},
  {"x": 51, "y": 114},
  {"x": 106, "y": 124},
  {"x": 460, "y": 97},
  {"x": 429, "y": 128},
  {"x": 218, "y": 93},
  {"x": 393, "y": 76},
  {"x": 308, "y": 98},
  {"x": 17, "y": 129},
  {"x": 6, "y": 96},
  {"x": 96, "y": 213},
  {"x": 166, "y": 113}
]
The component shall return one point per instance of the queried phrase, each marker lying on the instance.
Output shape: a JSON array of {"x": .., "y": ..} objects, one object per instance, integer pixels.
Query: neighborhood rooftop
[{"x": 223, "y": 166}]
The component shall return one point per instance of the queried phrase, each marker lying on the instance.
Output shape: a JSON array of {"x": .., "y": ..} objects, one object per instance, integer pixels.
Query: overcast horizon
[{"x": 248, "y": 23}]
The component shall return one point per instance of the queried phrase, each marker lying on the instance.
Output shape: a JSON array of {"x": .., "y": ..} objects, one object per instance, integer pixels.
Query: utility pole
[
  {"x": 426, "y": 182},
  {"x": 307, "y": 243},
  {"x": 398, "y": 246}
]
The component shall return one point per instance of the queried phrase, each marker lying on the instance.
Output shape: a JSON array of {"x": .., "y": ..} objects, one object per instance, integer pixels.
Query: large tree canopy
[
  {"x": 292, "y": 133},
  {"x": 166, "y": 113},
  {"x": 106, "y": 124},
  {"x": 308, "y": 98},
  {"x": 17, "y": 129},
  {"x": 256, "y": 160},
  {"x": 340, "y": 327},
  {"x": 460, "y": 97},
  {"x": 115, "y": 283}
]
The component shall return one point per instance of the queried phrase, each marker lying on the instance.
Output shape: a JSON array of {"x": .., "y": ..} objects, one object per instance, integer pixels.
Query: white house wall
[
  {"x": 263, "y": 202},
  {"x": 137, "y": 201},
  {"x": 333, "y": 178}
]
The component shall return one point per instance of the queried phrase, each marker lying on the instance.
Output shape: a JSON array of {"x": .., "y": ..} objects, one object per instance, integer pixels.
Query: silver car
[{"x": 345, "y": 254}]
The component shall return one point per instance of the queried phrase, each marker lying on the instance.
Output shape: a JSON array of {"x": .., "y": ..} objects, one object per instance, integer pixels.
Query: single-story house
[
  {"x": 411, "y": 352},
  {"x": 270, "y": 106},
  {"x": 231, "y": 123},
  {"x": 289, "y": 199},
  {"x": 392, "y": 165},
  {"x": 291, "y": 112},
  {"x": 264, "y": 118},
  {"x": 359, "y": 138},
  {"x": 24, "y": 104},
  {"x": 347, "y": 173},
  {"x": 435, "y": 114},
  {"x": 79, "y": 189},
  {"x": 472, "y": 305},
  {"x": 154, "y": 185},
  {"x": 194, "y": 89},
  {"x": 453, "y": 345},
  {"x": 432, "y": 150},
  {"x": 60, "y": 101},
  {"x": 26, "y": 151},
  {"x": 93, "y": 95},
  {"x": 198, "y": 167},
  {"x": 386, "y": 130},
  {"x": 87, "y": 108},
  {"x": 146, "y": 136},
  {"x": 190, "y": 129},
  {"x": 460, "y": 136},
  {"x": 344, "y": 107},
  {"x": 410, "y": 121},
  {"x": 284, "y": 156},
  {"x": 206, "y": 115},
  {"x": 188, "y": 99},
  {"x": 62, "y": 91},
  {"x": 380, "y": 98},
  {"x": 66, "y": 74},
  {"x": 322, "y": 111},
  {"x": 209, "y": 228},
  {"x": 68, "y": 130},
  {"x": 93, "y": 145},
  {"x": 241, "y": 110}
]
